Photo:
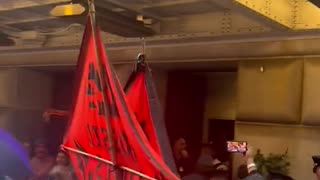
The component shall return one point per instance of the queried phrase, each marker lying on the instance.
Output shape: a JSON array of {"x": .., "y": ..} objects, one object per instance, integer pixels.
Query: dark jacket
[
  {"x": 254, "y": 175},
  {"x": 277, "y": 176},
  {"x": 194, "y": 176}
]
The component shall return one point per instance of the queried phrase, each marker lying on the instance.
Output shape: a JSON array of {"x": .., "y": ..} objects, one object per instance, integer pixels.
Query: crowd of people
[
  {"x": 207, "y": 167},
  {"x": 210, "y": 167},
  {"x": 46, "y": 167}
]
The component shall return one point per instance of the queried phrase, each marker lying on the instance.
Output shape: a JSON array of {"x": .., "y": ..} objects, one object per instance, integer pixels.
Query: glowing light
[{"x": 67, "y": 10}]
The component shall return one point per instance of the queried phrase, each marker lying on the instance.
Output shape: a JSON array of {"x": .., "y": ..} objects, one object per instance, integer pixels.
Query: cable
[{"x": 58, "y": 31}]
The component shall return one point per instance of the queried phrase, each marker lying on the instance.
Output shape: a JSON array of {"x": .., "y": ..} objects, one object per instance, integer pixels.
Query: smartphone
[{"x": 237, "y": 146}]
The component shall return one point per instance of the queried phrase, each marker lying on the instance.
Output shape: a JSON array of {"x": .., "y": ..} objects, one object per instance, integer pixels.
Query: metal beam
[
  {"x": 247, "y": 12},
  {"x": 280, "y": 11},
  {"x": 24, "y": 21},
  {"x": 221, "y": 23},
  {"x": 5, "y": 40},
  {"x": 12, "y": 5},
  {"x": 109, "y": 21},
  {"x": 168, "y": 3},
  {"x": 307, "y": 15},
  {"x": 38, "y": 12},
  {"x": 124, "y": 26},
  {"x": 138, "y": 10},
  {"x": 250, "y": 48},
  {"x": 293, "y": 14}
]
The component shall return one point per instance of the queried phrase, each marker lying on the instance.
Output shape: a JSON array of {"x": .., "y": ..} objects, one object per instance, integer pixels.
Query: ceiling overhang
[
  {"x": 231, "y": 48},
  {"x": 293, "y": 14},
  {"x": 123, "y": 23}
]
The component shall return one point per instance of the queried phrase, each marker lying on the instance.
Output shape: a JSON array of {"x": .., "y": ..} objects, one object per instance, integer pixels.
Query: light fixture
[
  {"x": 139, "y": 18},
  {"x": 261, "y": 69},
  {"x": 67, "y": 10}
]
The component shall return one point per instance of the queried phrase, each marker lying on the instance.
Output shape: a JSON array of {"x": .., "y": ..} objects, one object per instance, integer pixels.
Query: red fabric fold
[{"x": 138, "y": 100}]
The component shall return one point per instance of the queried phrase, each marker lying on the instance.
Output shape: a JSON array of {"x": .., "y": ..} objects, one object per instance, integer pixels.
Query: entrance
[{"x": 221, "y": 131}]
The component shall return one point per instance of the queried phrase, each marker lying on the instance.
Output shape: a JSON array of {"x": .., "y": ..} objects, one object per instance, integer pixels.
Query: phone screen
[{"x": 237, "y": 146}]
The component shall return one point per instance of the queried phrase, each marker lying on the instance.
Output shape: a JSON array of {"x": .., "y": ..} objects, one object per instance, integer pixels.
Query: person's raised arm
[
  {"x": 49, "y": 112},
  {"x": 251, "y": 166}
]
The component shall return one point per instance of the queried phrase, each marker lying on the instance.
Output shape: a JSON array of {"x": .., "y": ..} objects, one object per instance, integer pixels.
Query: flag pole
[
  {"x": 146, "y": 177},
  {"x": 100, "y": 71}
]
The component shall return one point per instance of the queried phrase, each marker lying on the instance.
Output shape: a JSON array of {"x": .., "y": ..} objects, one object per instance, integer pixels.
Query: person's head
[
  {"x": 41, "y": 148},
  {"x": 180, "y": 148},
  {"x": 316, "y": 171},
  {"x": 316, "y": 166},
  {"x": 180, "y": 144},
  {"x": 62, "y": 159}
]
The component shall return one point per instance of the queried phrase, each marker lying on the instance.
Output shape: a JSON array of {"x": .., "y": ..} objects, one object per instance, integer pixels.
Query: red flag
[
  {"x": 144, "y": 102},
  {"x": 137, "y": 98},
  {"x": 99, "y": 102}
]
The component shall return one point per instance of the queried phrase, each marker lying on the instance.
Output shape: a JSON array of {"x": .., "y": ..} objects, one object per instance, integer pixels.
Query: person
[
  {"x": 218, "y": 161},
  {"x": 219, "y": 175},
  {"x": 242, "y": 172},
  {"x": 182, "y": 158},
  {"x": 28, "y": 147},
  {"x": 208, "y": 163},
  {"x": 278, "y": 176},
  {"x": 316, "y": 166},
  {"x": 194, "y": 176},
  {"x": 62, "y": 170},
  {"x": 206, "y": 158},
  {"x": 42, "y": 162},
  {"x": 251, "y": 166}
]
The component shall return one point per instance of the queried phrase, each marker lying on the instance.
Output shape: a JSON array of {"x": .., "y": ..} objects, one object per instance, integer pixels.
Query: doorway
[
  {"x": 186, "y": 94},
  {"x": 221, "y": 131}
]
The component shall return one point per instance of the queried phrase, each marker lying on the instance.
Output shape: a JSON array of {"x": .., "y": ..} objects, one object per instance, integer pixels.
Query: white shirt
[
  {"x": 62, "y": 172},
  {"x": 41, "y": 167}
]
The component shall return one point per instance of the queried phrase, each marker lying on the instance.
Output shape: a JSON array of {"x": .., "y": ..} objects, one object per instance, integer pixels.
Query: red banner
[
  {"x": 144, "y": 102},
  {"x": 138, "y": 101},
  {"x": 101, "y": 116}
]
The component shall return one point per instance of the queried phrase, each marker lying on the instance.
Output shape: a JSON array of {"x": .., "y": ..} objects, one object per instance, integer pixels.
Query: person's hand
[
  {"x": 184, "y": 153},
  {"x": 49, "y": 112},
  {"x": 46, "y": 116},
  {"x": 249, "y": 156},
  {"x": 249, "y": 152}
]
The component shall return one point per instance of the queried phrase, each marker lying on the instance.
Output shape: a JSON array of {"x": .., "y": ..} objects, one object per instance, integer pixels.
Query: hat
[{"x": 316, "y": 163}]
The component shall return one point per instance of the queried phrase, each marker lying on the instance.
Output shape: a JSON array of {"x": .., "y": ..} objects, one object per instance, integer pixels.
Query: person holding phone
[
  {"x": 316, "y": 166},
  {"x": 251, "y": 166}
]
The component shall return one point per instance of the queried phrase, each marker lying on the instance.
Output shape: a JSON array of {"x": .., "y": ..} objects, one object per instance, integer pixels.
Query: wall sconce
[{"x": 261, "y": 69}]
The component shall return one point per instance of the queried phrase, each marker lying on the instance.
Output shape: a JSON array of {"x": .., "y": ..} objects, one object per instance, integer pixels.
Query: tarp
[
  {"x": 101, "y": 116},
  {"x": 143, "y": 100}
]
